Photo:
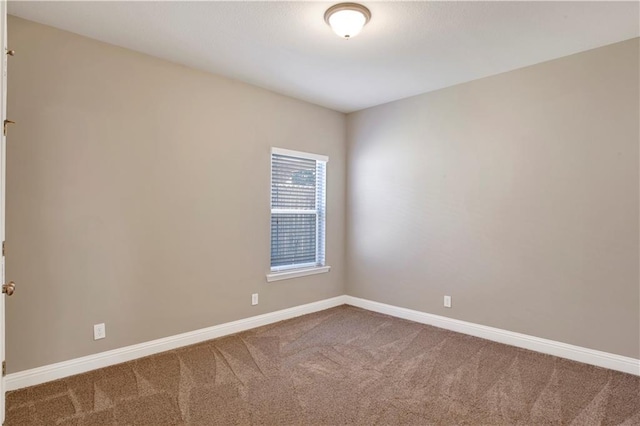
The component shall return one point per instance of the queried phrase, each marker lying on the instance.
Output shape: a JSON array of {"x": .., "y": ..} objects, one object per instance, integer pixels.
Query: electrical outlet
[
  {"x": 447, "y": 301},
  {"x": 99, "y": 331},
  {"x": 254, "y": 299}
]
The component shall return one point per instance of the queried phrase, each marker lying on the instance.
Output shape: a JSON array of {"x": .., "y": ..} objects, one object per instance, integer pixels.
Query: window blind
[{"x": 298, "y": 199}]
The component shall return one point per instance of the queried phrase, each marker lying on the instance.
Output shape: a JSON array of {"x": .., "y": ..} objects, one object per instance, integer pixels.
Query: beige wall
[
  {"x": 138, "y": 196},
  {"x": 516, "y": 194}
]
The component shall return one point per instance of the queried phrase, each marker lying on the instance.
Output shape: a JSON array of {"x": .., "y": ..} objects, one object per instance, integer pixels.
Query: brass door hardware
[
  {"x": 11, "y": 52},
  {"x": 4, "y": 368},
  {"x": 6, "y": 122},
  {"x": 9, "y": 289}
]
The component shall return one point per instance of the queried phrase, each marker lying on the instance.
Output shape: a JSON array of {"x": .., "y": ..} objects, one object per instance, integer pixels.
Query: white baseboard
[
  {"x": 546, "y": 346},
  {"x": 63, "y": 369}
]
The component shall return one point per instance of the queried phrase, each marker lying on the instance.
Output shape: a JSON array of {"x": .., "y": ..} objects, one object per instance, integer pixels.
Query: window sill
[{"x": 295, "y": 273}]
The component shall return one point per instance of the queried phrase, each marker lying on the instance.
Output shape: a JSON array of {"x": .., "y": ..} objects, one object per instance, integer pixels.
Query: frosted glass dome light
[{"x": 347, "y": 19}]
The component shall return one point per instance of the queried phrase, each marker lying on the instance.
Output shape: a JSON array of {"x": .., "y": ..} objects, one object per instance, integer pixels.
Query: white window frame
[{"x": 298, "y": 270}]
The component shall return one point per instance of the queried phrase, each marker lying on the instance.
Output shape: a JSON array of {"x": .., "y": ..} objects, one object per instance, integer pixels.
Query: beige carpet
[{"x": 337, "y": 367}]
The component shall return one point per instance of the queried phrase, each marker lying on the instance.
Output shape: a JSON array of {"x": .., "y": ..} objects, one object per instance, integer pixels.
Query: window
[{"x": 298, "y": 213}]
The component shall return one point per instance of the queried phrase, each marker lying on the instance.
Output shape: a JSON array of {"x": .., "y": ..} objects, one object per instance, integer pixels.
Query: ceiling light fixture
[{"x": 347, "y": 19}]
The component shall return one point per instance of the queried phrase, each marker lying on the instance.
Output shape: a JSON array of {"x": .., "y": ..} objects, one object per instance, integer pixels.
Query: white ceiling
[{"x": 406, "y": 49}]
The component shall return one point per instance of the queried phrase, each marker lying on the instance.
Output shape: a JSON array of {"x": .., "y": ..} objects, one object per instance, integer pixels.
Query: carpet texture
[{"x": 342, "y": 366}]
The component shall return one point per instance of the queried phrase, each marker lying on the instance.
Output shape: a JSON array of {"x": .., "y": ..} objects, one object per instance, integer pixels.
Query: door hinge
[
  {"x": 4, "y": 368},
  {"x": 3, "y": 244}
]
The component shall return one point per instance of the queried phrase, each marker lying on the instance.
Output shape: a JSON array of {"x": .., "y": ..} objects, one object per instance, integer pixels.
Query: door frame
[{"x": 3, "y": 151}]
